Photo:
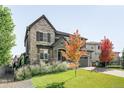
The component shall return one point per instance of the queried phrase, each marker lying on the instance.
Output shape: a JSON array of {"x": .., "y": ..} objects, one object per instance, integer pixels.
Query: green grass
[{"x": 84, "y": 79}]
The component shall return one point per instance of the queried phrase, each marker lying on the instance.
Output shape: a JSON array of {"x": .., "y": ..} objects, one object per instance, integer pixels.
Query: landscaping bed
[{"x": 27, "y": 71}]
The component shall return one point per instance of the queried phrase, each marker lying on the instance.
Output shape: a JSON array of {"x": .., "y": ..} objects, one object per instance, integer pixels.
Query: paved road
[
  {"x": 118, "y": 73},
  {"x": 18, "y": 84}
]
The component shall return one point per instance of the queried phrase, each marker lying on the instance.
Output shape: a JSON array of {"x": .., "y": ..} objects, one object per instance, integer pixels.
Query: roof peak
[{"x": 39, "y": 18}]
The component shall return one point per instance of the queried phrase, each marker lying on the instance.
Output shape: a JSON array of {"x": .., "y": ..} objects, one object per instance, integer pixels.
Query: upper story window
[
  {"x": 48, "y": 36},
  {"x": 45, "y": 37},
  {"x": 40, "y": 36}
]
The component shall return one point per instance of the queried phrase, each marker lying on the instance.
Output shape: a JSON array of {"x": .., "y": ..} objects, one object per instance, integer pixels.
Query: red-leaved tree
[
  {"x": 73, "y": 50},
  {"x": 107, "y": 54}
]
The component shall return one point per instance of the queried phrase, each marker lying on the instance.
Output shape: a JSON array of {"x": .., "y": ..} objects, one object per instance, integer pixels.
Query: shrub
[
  {"x": 23, "y": 73},
  {"x": 27, "y": 72},
  {"x": 22, "y": 61},
  {"x": 45, "y": 68},
  {"x": 61, "y": 67},
  {"x": 35, "y": 69},
  {"x": 52, "y": 68},
  {"x": 19, "y": 74},
  {"x": 56, "y": 67},
  {"x": 55, "y": 85}
]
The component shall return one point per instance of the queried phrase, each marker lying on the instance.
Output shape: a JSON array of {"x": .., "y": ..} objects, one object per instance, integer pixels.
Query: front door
[{"x": 60, "y": 57}]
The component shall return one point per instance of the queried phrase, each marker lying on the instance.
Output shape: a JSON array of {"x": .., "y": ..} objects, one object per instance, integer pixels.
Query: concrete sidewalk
[
  {"x": 118, "y": 73},
  {"x": 18, "y": 84}
]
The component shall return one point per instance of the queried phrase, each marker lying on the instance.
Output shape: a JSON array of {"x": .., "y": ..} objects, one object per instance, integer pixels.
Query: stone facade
[
  {"x": 42, "y": 50},
  {"x": 41, "y": 26}
]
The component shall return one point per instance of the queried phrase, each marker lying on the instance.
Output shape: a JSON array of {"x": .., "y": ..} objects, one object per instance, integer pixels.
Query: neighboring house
[
  {"x": 116, "y": 59},
  {"x": 44, "y": 43},
  {"x": 95, "y": 48}
]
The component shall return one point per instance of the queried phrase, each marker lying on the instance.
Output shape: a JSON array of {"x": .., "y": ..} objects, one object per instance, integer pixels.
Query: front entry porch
[{"x": 59, "y": 55}]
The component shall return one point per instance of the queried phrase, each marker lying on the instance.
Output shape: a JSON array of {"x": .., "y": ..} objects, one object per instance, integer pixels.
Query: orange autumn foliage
[
  {"x": 73, "y": 50},
  {"x": 107, "y": 55}
]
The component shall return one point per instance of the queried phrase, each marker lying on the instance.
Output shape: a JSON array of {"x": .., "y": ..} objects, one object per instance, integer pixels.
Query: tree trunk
[{"x": 75, "y": 71}]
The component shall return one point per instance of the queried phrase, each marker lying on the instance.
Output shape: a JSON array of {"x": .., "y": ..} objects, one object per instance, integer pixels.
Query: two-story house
[
  {"x": 44, "y": 43},
  {"x": 95, "y": 48}
]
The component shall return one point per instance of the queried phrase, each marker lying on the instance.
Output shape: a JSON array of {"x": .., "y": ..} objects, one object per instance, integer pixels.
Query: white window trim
[{"x": 45, "y": 51}]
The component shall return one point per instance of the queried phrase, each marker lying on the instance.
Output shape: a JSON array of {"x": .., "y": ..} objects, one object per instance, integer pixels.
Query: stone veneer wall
[
  {"x": 41, "y": 26},
  {"x": 59, "y": 45}
]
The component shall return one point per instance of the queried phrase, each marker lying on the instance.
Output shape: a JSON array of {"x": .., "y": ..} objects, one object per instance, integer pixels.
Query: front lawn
[{"x": 84, "y": 79}]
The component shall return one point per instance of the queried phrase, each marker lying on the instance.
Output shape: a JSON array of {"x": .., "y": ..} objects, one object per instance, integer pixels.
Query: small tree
[
  {"x": 7, "y": 36},
  {"x": 107, "y": 55},
  {"x": 73, "y": 49}
]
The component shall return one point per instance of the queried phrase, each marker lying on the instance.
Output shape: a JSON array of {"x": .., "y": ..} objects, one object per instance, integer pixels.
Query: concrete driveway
[{"x": 119, "y": 73}]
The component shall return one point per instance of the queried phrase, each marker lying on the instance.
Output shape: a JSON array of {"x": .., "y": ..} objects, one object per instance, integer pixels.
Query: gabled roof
[
  {"x": 41, "y": 17},
  {"x": 62, "y": 33},
  {"x": 56, "y": 32},
  {"x": 65, "y": 34},
  {"x": 93, "y": 43},
  {"x": 62, "y": 37}
]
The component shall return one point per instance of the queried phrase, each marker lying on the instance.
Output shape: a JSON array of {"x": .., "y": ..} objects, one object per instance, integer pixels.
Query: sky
[{"x": 93, "y": 22}]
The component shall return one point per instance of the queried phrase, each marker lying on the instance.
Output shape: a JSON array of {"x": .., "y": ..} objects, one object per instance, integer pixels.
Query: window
[
  {"x": 44, "y": 54},
  {"x": 98, "y": 47},
  {"x": 39, "y": 36},
  {"x": 91, "y": 47},
  {"x": 41, "y": 56},
  {"x": 59, "y": 55},
  {"x": 43, "y": 36},
  {"x": 48, "y": 36}
]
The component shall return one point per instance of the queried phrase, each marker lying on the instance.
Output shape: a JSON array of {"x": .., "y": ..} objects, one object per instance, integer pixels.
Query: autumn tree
[
  {"x": 7, "y": 36},
  {"x": 107, "y": 55},
  {"x": 73, "y": 49}
]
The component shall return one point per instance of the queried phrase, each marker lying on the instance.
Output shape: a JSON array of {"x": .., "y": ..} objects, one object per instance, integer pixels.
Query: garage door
[{"x": 83, "y": 62}]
